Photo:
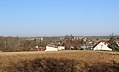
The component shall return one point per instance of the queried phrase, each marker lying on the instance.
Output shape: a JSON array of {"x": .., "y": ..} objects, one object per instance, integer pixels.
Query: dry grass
[{"x": 62, "y": 61}]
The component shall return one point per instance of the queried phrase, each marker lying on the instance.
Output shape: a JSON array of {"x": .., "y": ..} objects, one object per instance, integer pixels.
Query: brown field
[{"x": 61, "y": 61}]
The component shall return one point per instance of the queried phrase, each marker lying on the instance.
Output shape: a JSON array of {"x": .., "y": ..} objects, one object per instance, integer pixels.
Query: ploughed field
[{"x": 61, "y": 61}]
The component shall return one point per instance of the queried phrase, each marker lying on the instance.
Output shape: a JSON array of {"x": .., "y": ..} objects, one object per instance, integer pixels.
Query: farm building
[{"x": 101, "y": 46}]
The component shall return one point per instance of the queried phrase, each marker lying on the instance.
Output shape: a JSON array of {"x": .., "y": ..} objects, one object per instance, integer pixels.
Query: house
[
  {"x": 117, "y": 41},
  {"x": 86, "y": 46},
  {"x": 101, "y": 46},
  {"x": 54, "y": 48},
  {"x": 51, "y": 48},
  {"x": 38, "y": 49},
  {"x": 61, "y": 48},
  {"x": 96, "y": 41}
]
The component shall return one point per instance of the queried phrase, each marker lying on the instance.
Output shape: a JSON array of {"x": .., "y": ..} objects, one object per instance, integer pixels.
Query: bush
[
  {"x": 43, "y": 65},
  {"x": 61, "y": 65}
]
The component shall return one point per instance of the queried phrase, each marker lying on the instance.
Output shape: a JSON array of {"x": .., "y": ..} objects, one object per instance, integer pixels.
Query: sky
[{"x": 59, "y": 17}]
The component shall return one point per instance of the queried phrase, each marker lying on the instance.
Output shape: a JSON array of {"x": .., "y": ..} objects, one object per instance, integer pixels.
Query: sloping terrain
[{"x": 61, "y": 61}]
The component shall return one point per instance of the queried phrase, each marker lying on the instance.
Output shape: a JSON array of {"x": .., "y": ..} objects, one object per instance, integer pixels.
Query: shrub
[{"x": 44, "y": 65}]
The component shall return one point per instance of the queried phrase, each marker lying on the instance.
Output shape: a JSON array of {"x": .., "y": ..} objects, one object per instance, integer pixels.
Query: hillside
[{"x": 62, "y": 61}]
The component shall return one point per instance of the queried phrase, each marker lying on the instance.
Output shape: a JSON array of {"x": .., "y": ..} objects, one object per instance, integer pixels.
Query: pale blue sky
[{"x": 58, "y": 17}]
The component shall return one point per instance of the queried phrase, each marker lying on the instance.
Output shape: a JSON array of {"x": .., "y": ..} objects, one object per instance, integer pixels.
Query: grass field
[{"x": 61, "y": 61}]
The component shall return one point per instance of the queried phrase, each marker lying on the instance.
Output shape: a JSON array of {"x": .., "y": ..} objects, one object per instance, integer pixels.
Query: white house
[
  {"x": 54, "y": 48},
  {"x": 117, "y": 43},
  {"x": 102, "y": 46},
  {"x": 51, "y": 48}
]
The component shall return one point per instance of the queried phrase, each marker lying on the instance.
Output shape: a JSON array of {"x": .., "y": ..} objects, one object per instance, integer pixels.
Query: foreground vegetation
[{"x": 62, "y": 61}]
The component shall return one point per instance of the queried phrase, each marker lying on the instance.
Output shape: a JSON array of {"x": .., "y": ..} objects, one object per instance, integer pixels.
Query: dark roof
[{"x": 95, "y": 45}]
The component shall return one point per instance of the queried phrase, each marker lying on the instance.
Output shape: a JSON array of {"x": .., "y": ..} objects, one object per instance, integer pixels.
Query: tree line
[{"x": 9, "y": 44}]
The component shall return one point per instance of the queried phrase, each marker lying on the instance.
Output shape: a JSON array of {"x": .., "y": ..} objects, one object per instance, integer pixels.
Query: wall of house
[
  {"x": 102, "y": 46},
  {"x": 48, "y": 48},
  {"x": 61, "y": 48}
]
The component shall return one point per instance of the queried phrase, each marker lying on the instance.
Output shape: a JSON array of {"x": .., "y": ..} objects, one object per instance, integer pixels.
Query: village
[
  {"x": 59, "y": 35},
  {"x": 69, "y": 42}
]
